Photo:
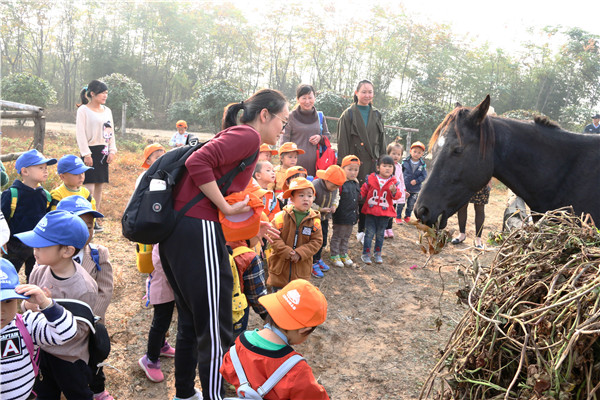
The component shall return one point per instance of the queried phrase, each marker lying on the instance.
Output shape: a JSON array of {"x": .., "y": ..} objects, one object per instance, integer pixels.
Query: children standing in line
[
  {"x": 265, "y": 153},
  {"x": 288, "y": 157},
  {"x": 300, "y": 236},
  {"x": 94, "y": 259},
  {"x": 346, "y": 214},
  {"x": 415, "y": 172},
  {"x": 55, "y": 240},
  {"x": 21, "y": 335},
  {"x": 71, "y": 171},
  {"x": 265, "y": 177},
  {"x": 378, "y": 192},
  {"x": 180, "y": 137},
  {"x": 294, "y": 313},
  {"x": 24, "y": 204},
  {"x": 395, "y": 151},
  {"x": 326, "y": 201}
]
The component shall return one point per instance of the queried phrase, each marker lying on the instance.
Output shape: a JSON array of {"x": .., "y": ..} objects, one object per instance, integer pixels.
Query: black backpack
[
  {"x": 99, "y": 341},
  {"x": 149, "y": 216}
]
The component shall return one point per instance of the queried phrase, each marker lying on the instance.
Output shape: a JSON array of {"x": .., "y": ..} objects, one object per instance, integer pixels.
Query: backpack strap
[
  {"x": 245, "y": 391},
  {"x": 238, "y": 251},
  {"x": 95, "y": 255},
  {"x": 29, "y": 344},
  {"x": 14, "y": 196},
  {"x": 279, "y": 374},
  {"x": 320, "y": 114},
  {"x": 81, "y": 311}
]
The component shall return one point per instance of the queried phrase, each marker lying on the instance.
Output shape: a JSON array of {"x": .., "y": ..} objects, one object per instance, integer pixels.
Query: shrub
[
  {"x": 122, "y": 89},
  {"x": 183, "y": 110},
  {"x": 26, "y": 88},
  {"x": 212, "y": 100}
]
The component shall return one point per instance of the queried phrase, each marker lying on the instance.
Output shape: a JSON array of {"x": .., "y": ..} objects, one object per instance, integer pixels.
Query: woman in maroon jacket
[{"x": 195, "y": 258}]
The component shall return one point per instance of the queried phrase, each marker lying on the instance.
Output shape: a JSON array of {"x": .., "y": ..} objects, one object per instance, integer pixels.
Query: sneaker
[
  {"x": 377, "y": 258},
  {"x": 360, "y": 236},
  {"x": 316, "y": 271},
  {"x": 151, "y": 369},
  {"x": 103, "y": 396},
  {"x": 346, "y": 260},
  {"x": 167, "y": 351},
  {"x": 196, "y": 396},
  {"x": 337, "y": 262},
  {"x": 406, "y": 219},
  {"x": 389, "y": 233},
  {"x": 385, "y": 234},
  {"x": 399, "y": 221},
  {"x": 324, "y": 267},
  {"x": 366, "y": 259},
  {"x": 97, "y": 228}
]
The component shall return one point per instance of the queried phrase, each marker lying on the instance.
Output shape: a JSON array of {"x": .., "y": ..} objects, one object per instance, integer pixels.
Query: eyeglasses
[{"x": 282, "y": 120}]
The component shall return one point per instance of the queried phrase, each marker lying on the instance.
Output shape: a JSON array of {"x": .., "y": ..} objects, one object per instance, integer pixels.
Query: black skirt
[
  {"x": 482, "y": 197},
  {"x": 100, "y": 172}
]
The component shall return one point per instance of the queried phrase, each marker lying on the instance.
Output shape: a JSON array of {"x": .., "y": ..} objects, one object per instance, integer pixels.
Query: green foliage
[
  {"x": 28, "y": 89},
  {"x": 185, "y": 110},
  {"x": 423, "y": 116},
  {"x": 122, "y": 89},
  {"x": 332, "y": 104},
  {"x": 212, "y": 100},
  {"x": 523, "y": 115}
]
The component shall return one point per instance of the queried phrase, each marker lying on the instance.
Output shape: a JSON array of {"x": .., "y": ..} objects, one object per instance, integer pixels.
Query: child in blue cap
[
  {"x": 24, "y": 204},
  {"x": 55, "y": 240},
  {"x": 21, "y": 335},
  {"x": 94, "y": 259},
  {"x": 71, "y": 171}
]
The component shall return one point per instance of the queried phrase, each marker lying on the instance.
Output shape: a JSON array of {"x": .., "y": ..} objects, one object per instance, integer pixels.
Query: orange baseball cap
[
  {"x": 181, "y": 123},
  {"x": 334, "y": 174},
  {"x": 298, "y": 184},
  {"x": 417, "y": 144},
  {"x": 148, "y": 150},
  {"x": 350, "y": 159},
  {"x": 291, "y": 171},
  {"x": 298, "y": 305},
  {"x": 265, "y": 147},
  {"x": 288, "y": 147},
  {"x": 254, "y": 188},
  {"x": 242, "y": 226}
]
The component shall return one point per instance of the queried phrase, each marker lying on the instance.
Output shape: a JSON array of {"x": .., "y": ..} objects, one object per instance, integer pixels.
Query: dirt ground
[{"x": 380, "y": 339}]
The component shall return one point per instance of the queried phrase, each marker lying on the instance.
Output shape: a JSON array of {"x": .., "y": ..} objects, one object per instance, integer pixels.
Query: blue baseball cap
[
  {"x": 9, "y": 280},
  {"x": 57, "y": 227},
  {"x": 32, "y": 157},
  {"x": 72, "y": 164},
  {"x": 78, "y": 206}
]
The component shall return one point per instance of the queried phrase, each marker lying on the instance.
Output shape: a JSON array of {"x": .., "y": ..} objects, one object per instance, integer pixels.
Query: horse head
[{"x": 463, "y": 162}]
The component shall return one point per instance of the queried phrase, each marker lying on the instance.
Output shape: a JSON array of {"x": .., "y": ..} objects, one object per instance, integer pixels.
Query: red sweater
[
  {"x": 220, "y": 155},
  {"x": 378, "y": 200},
  {"x": 299, "y": 383}
]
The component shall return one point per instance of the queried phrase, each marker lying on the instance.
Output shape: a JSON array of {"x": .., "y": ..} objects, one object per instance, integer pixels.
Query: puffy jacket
[
  {"x": 309, "y": 241},
  {"x": 419, "y": 175},
  {"x": 347, "y": 211},
  {"x": 378, "y": 200}
]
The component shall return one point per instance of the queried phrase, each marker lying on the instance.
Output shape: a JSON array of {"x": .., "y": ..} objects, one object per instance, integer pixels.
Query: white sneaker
[
  {"x": 197, "y": 396},
  {"x": 360, "y": 236}
]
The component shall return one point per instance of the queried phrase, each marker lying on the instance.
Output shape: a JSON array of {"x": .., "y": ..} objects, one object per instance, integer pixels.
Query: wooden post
[
  {"x": 39, "y": 130},
  {"x": 124, "y": 119}
]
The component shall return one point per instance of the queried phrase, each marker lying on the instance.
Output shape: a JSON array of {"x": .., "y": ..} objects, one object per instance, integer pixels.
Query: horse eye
[{"x": 458, "y": 150}]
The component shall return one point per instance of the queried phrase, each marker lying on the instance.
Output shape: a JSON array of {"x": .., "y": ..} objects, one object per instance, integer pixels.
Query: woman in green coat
[{"x": 361, "y": 133}]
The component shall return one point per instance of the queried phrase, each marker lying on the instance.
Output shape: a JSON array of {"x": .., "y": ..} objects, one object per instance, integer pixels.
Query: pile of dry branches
[{"x": 533, "y": 321}]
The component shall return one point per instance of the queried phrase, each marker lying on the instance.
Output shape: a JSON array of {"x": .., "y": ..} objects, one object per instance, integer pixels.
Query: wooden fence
[{"x": 25, "y": 111}]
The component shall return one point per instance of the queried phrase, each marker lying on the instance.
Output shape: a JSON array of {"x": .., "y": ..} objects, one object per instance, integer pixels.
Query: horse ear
[
  {"x": 457, "y": 105},
  {"x": 477, "y": 115}
]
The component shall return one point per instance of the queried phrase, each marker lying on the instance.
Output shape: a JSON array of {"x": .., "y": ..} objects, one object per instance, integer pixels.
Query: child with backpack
[
  {"x": 415, "y": 172},
  {"x": 71, "y": 171},
  {"x": 24, "y": 204},
  {"x": 56, "y": 239},
  {"x": 293, "y": 314},
  {"x": 288, "y": 157},
  {"x": 21, "y": 335}
]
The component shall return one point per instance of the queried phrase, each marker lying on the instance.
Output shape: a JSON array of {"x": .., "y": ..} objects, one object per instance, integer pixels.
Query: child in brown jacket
[{"x": 300, "y": 236}]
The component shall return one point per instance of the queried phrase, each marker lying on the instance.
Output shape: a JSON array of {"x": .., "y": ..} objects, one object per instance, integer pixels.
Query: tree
[
  {"x": 28, "y": 89},
  {"x": 122, "y": 89},
  {"x": 212, "y": 100}
]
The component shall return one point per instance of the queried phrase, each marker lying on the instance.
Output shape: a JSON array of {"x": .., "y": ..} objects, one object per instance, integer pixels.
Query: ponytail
[
  {"x": 273, "y": 100},
  {"x": 94, "y": 86}
]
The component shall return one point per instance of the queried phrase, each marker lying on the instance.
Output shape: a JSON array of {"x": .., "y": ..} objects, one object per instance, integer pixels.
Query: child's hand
[
  {"x": 393, "y": 188},
  {"x": 333, "y": 209},
  {"x": 38, "y": 297},
  {"x": 295, "y": 257},
  {"x": 325, "y": 210},
  {"x": 413, "y": 182},
  {"x": 407, "y": 194}
]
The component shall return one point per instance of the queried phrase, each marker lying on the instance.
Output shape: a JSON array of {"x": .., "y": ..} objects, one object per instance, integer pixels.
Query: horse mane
[
  {"x": 545, "y": 121},
  {"x": 450, "y": 117}
]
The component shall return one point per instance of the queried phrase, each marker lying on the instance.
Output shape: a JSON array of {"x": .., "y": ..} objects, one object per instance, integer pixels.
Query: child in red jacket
[{"x": 378, "y": 192}]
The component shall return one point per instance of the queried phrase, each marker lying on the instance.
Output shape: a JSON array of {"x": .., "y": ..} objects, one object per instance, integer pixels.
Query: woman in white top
[{"x": 95, "y": 138}]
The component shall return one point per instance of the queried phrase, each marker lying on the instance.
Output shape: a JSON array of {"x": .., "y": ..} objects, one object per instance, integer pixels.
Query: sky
[{"x": 502, "y": 24}]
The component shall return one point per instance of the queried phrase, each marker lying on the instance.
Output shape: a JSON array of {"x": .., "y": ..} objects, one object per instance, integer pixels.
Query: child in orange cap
[
  {"x": 180, "y": 138},
  {"x": 346, "y": 214},
  {"x": 291, "y": 174},
  {"x": 326, "y": 201},
  {"x": 151, "y": 153},
  {"x": 294, "y": 313},
  {"x": 265, "y": 153},
  {"x": 299, "y": 239},
  {"x": 288, "y": 157}
]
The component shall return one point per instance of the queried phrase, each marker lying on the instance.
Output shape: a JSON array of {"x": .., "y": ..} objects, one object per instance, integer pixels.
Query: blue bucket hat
[
  {"x": 72, "y": 164},
  {"x": 57, "y": 227},
  {"x": 32, "y": 157},
  {"x": 78, "y": 206},
  {"x": 9, "y": 280}
]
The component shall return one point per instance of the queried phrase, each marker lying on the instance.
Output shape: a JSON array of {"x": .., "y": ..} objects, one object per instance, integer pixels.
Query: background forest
[{"x": 183, "y": 60}]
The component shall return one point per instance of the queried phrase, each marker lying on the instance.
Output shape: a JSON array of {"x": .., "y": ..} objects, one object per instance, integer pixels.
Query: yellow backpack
[{"x": 239, "y": 301}]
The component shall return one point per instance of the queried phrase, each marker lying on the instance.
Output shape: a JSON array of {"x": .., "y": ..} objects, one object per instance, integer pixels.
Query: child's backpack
[
  {"x": 14, "y": 197},
  {"x": 149, "y": 216},
  {"x": 143, "y": 258},
  {"x": 325, "y": 154},
  {"x": 245, "y": 391},
  {"x": 99, "y": 341},
  {"x": 239, "y": 301}
]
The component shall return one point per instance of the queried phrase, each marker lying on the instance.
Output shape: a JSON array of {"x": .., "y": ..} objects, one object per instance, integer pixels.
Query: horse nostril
[{"x": 422, "y": 213}]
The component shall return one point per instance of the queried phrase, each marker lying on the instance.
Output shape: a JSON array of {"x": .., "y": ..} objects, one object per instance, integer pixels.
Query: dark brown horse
[{"x": 545, "y": 165}]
